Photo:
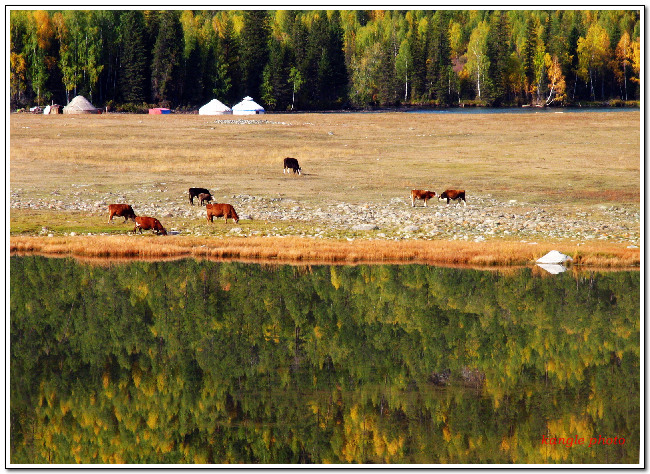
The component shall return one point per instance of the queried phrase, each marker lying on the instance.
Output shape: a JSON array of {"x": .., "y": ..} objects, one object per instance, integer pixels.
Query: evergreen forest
[
  {"x": 207, "y": 362},
  {"x": 324, "y": 60}
]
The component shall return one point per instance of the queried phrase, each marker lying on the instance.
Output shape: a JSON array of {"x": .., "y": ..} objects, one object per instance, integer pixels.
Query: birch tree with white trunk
[{"x": 477, "y": 59}]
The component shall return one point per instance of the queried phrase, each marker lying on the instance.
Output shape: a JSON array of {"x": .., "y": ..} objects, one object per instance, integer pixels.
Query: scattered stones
[
  {"x": 365, "y": 227},
  {"x": 484, "y": 218},
  {"x": 249, "y": 122}
]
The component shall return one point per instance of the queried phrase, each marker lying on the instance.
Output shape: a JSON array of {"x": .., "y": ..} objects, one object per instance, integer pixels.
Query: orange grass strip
[{"x": 309, "y": 250}]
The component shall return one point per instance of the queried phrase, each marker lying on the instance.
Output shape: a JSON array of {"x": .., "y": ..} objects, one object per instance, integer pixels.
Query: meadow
[{"x": 562, "y": 162}]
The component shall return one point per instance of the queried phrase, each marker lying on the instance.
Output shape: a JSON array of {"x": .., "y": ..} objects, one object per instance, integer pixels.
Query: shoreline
[{"x": 306, "y": 250}]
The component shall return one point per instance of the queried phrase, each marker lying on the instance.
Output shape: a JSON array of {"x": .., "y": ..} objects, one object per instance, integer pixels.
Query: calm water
[
  {"x": 203, "y": 362},
  {"x": 524, "y": 110}
]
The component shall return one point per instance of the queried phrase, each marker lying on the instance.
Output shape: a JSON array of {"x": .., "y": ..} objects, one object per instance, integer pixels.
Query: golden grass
[
  {"x": 309, "y": 250},
  {"x": 345, "y": 157}
]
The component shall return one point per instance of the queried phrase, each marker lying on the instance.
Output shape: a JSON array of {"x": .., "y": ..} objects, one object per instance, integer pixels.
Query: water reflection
[
  {"x": 204, "y": 362},
  {"x": 552, "y": 268}
]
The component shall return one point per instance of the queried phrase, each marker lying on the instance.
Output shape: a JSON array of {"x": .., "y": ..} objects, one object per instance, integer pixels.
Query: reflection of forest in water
[{"x": 203, "y": 362}]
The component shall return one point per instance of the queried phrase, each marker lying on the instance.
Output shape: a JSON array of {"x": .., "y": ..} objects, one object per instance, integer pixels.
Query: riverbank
[
  {"x": 314, "y": 251},
  {"x": 534, "y": 182}
]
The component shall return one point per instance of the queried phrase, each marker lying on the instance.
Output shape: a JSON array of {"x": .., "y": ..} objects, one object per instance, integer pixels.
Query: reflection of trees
[{"x": 193, "y": 362}]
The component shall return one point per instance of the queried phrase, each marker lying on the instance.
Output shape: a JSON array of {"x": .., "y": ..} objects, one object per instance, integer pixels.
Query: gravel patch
[{"x": 484, "y": 218}]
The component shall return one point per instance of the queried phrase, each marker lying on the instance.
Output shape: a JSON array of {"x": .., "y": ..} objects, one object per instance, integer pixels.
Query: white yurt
[
  {"x": 215, "y": 107},
  {"x": 79, "y": 105},
  {"x": 247, "y": 107}
]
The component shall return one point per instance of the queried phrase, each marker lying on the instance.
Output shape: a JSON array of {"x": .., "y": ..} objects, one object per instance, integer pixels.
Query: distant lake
[
  {"x": 522, "y": 110},
  {"x": 498, "y": 110},
  {"x": 206, "y": 362}
]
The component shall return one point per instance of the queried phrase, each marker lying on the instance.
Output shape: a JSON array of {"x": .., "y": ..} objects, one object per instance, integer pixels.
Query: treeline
[
  {"x": 195, "y": 362},
  {"x": 314, "y": 60}
]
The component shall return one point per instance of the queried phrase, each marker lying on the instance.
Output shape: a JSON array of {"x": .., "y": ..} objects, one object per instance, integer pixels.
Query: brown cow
[
  {"x": 147, "y": 223},
  {"x": 423, "y": 195},
  {"x": 453, "y": 194},
  {"x": 120, "y": 210},
  {"x": 204, "y": 197},
  {"x": 221, "y": 210}
]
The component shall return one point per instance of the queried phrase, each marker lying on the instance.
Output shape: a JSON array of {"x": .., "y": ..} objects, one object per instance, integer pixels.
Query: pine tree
[
  {"x": 276, "y": 89},
  {"x": 298, "y": 39},
  {"x": 165, "y": 68},
  {"x": 418, "y": 56},
  {"x": 337, "y": 74},
  {"x": 226, "y": 79},
  {"x": 571, "y": 70},
  {"x": 254, "y": 50},
  {"x": 530, "y": 48},
  {"x": 439, "y": 59},
  {"x": 497, "y": 51},
  {"x": 132, "y": 57}
]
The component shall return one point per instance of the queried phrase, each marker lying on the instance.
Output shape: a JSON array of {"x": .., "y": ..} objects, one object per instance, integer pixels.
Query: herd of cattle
[{"x": 227, "y": 211}]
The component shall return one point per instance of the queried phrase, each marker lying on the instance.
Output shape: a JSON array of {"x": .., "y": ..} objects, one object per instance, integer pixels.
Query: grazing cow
[
  {"x": 291, "y": 164},
  {"x": 120, "y": 210},
  {"x": 453, "y": 194},
  {"x": 221, "y": 210},
  {"x": 194, "y": 192},
  {"x": 204, "y": 197},
  {"x": 423, "y": 195},
  {"x": 149, "y": 223}
]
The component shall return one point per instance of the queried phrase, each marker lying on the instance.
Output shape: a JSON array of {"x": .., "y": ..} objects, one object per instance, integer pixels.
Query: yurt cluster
[
  {"x": 78, "y": 105},
  {"x": 81, "y": 105},
  {"x": 246, "y": 107}
]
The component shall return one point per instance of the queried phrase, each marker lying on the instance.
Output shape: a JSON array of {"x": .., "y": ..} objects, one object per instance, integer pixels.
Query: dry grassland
[
  {"x": 583, "y": 157},
  {"x": 577, "y": 160}
]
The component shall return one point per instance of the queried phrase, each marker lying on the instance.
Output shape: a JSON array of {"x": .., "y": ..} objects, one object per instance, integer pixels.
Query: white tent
[
  {"x": 79, "y": 105},
  {"x": 214, "y": 107},
  {"x": 247, "y": 107}
]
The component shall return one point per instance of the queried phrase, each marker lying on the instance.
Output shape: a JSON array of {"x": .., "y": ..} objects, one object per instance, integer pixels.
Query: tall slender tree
[
  {"x": 623, "y": 61},
  {"x": 276, "y": 89},
  {"x": 255, "y": 35},
  {"x": 337, "y": 74},
  {"x": 529, "y": 51},
  {"x": 439, "y": 68},
  {"x": 418, "y": 55},
  {"x": 498, "y": 45},
  {"x": 93, "y": 66},
  {"x": 227, "y": 82},
  {"x": 478, "y": 62},
  {"x": 165, "y": 68},
  {"x": 133, "y": 59},
  {"x": 593, "y": 55}
]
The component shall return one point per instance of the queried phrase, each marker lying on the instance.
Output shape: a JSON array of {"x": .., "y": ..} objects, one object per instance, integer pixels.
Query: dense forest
[
  {"x": 317, "y": 60},
  {"x": 198, "y": 362}
]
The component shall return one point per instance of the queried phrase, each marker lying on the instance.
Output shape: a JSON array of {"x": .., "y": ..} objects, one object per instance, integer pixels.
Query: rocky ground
[{"x": 484, "y": 218}]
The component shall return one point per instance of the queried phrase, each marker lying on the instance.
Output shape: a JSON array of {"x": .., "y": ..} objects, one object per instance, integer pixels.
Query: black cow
[
  {"x": 194, "y": 192},
  {"x": 291, "y": 164}
]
